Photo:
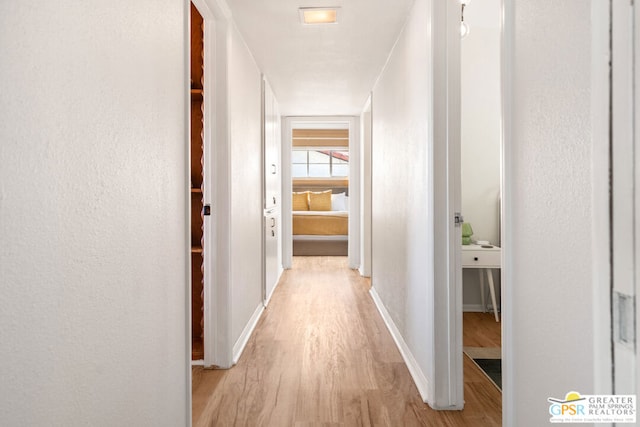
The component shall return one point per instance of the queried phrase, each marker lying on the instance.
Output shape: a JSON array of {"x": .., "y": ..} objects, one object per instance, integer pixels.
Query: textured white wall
[
  {"x": 480, "y": 140},
  {"x": 551, "y": 200},
  {"x": 246, "y": 185},
  {"x": 402, "y": 233},
  {"x": 92, "y": 213}
]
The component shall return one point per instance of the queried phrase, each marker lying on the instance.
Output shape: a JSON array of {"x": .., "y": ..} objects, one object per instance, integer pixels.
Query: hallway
[{"x": 321, "y": 355}]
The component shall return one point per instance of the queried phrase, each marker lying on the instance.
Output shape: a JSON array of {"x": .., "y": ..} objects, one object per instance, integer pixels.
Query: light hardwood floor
[
  {"x": 481, "y": 330},
  {"x": 322, "y": 356}
]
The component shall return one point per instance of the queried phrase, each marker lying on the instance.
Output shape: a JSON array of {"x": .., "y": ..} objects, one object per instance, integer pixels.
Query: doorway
[
  {"x": 196, "y": 151},
  {"x": 320, "y": 191},
  {"x": 325, "y": 131},
  {"x": 480, "y": 186}
]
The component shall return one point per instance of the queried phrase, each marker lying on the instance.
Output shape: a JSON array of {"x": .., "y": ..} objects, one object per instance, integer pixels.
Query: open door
[{"x": 271, "y": 193}]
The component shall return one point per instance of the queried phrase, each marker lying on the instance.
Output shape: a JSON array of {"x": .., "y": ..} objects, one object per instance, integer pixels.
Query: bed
[{"x": 320, "y": 223}]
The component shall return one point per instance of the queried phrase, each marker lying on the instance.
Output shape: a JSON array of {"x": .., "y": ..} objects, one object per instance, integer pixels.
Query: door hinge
[
  {"x": 206, "y": 211},
  {"x": 458, "y": 219},
  {"x": 624, "y": 319}
]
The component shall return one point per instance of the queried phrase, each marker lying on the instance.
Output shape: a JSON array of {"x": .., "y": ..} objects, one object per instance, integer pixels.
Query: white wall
[
  {"x": 246, "y": 188},
  {"x": 93, "y": 196},
  {"x": 481, "y": 127},
  {"x": 551, "y": 218},
  {"x": 402, "y": 242}
]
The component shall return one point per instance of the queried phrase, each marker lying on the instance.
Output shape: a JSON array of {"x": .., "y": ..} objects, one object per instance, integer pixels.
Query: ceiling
[{"x": 320, "y": 70}]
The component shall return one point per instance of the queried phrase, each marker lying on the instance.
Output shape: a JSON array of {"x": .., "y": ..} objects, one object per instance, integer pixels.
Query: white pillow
[
  {"x": 338, "y": 202},
  {"x": 346, "y": 203}
]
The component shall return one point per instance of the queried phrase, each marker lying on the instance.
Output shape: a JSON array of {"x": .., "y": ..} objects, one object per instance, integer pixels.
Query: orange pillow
[
  {"x": 300, "y": 201},
  {"x": 320, "y": 201}
]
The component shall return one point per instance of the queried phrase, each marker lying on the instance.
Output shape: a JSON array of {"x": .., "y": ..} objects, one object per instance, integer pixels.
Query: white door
[
  {"x": 271, "y": 191},
  {"x": 624, "y": 198}
]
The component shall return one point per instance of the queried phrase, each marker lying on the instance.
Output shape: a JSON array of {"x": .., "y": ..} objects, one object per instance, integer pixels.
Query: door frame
[
  {"x": 507, "y": 34},
  {"x": 292, "y": 122},
  {"x": 449, "y": 391},
  {"x": 624, "y": 193},
  {"x": 218, "y": 349},
  {"x": 366, "y": 147},
  {"x": 446, "y": 173},
  {"x": 600, "y": 111}
]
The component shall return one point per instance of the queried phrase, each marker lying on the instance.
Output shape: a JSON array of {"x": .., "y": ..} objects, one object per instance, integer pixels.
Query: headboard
[{"x": 336, "y": 186}]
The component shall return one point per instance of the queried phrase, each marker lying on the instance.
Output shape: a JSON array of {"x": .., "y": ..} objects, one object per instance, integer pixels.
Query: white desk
[{"x": 484, "y": 259}]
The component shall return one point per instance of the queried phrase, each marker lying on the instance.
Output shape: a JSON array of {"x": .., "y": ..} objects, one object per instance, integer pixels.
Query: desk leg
[
  {"x": 493, "y": 293},
  {"x": 482, "y": 293}
]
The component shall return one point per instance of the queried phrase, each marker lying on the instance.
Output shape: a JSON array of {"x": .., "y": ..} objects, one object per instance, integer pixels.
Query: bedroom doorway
[
  {"x": 320, "y": 191},
  {"x": 321, "y": 216}
]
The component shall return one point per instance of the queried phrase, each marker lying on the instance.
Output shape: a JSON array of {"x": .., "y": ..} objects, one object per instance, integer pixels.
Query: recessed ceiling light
[{"x": 319, "y": 15}]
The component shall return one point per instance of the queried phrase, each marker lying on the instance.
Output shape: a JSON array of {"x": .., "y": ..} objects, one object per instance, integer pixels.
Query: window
[{"x": 318, "y": 163}]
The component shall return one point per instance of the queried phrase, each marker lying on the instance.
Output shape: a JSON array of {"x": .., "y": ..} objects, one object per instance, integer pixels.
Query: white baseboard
[
  {"x": 266, "y": 302},
  {"x": 241, "y": 343},
  {"x": 421, "y": 381},
  {"x": 362, "y": 272}
]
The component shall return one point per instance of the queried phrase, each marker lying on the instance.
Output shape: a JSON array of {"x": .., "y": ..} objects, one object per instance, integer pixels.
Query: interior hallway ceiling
[{"x": 320, "y": 69}]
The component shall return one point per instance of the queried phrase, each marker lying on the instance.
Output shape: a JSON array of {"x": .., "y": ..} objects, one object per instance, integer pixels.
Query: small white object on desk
[{"x": 484, "y": 258}]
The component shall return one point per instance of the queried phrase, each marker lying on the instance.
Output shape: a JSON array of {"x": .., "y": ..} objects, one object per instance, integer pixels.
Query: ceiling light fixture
[{"x": 319, "y": 15}]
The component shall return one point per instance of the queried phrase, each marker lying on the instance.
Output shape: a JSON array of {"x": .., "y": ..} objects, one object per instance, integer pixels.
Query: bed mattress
[{"x": 320, "y": 223}]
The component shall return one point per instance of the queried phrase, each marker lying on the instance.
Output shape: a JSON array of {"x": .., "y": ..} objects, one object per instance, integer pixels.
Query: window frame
[{"x": 330, "y": 151}]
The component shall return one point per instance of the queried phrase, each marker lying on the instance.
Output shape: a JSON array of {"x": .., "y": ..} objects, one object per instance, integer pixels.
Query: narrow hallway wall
[
  {"x": 551, "y": 154},
  {"x": 402, "y": 244},
  {"x": 246, "y": 190},
  {"x": 93, "y": 196}
]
